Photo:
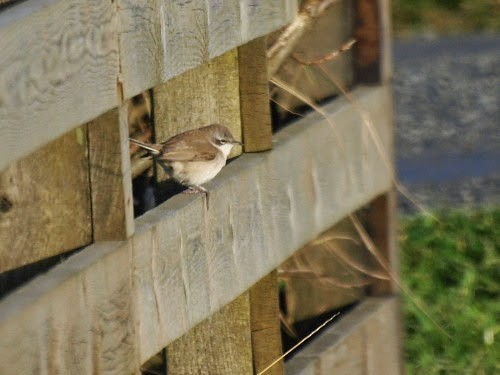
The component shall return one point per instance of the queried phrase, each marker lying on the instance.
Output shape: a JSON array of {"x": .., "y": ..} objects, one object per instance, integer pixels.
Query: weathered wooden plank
[
  {"x": 224, "y": 26},
  {"x": 45, "y": 207},
  {"x": 254, "y": 96},
  {"x": 219, "y": 345},
  {"x": 261, "y": 17},
  {"x": 59, "y": 68},
  {"x": 66, "y": 62},
  {"x": 265, "y": 324},
  {"x": 162, "y": 39},
  {"x": 76, "y": 322},
  {"x": 205, "y": 95},
  {"x": 365, "y": 341},
  {"x": 111, "y": 182},
  {"x": 386, "y": 40},
  {"x": 186, "y": 260}
]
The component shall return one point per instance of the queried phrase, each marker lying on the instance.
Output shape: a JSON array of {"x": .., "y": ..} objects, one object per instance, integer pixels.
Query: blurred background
[{"x": 447, "y": 111}]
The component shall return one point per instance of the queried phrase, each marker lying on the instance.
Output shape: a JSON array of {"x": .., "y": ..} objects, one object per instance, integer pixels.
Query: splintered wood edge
[
  {"x": 186, "y": 259},
  {"x": 91, "y": 58},
  {"x": 367, "y": 340}
]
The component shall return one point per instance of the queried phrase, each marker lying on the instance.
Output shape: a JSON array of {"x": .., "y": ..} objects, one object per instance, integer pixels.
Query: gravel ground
[{"x": 447, "y": 107}]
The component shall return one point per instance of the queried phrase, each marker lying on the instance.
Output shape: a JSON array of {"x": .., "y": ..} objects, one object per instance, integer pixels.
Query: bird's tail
[{"x": 154, "y": 149}]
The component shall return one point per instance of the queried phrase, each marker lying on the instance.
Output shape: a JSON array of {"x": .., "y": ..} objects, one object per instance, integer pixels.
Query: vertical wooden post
[
  {"x": 254, "y": 96},
  {"x": 204, "y": 95},
  {"x": 367, "y": 33},
  {"x": 110, "y": 178},
  {"x": 265, "y": 324},
  {"x": 257, "y": 136},
  {"x": 381, "y": 226},
  {"x": 219, "y": 345}
]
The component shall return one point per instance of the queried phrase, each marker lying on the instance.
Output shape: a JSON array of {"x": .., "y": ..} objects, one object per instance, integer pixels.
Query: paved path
[{"x": 447, "y": 106}]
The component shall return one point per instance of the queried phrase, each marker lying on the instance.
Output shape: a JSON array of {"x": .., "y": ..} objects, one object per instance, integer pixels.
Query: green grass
[
  {"x": 453, "y": 268},
  {"x": 445, "y": 16}
]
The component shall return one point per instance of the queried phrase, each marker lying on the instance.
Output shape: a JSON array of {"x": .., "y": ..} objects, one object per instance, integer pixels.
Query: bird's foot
[
  {"x": 198, "y": 190},
  {"x": 195, "y": 190}
]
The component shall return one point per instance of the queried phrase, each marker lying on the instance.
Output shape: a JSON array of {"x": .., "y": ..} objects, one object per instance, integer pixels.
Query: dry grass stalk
[{"x": 299, "y": 343}]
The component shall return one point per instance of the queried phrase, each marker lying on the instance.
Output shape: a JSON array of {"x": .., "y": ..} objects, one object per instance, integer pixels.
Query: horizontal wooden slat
[
  {"x": 64, "y": 62},
  {"x": 364, "y": 342},
  {"x": 186, "y": 259}
]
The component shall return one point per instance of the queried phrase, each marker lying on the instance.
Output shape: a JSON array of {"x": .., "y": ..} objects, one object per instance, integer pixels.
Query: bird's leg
[{"x": 197, "y": 190}]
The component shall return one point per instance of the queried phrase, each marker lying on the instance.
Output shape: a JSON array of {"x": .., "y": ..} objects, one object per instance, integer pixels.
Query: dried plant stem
[
  {"x": 299, "y": 343},
  {"x": 328, "y": 57},
  {"x": 283, "y": 47},
  {"x": 372, "y": 248}
]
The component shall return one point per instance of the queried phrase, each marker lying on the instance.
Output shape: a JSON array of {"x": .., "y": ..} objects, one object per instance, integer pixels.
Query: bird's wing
[{"x": 195, "y": 150}]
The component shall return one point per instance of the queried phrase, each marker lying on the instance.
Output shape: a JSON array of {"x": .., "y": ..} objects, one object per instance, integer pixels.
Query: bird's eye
[{"x": 221, "y": 141}]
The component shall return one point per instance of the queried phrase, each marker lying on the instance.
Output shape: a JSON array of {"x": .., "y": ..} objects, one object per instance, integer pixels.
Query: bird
[{"x": 193, "y": 157}]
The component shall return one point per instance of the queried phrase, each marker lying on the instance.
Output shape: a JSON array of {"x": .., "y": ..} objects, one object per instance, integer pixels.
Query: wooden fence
[{"x": 199, "y": 280}]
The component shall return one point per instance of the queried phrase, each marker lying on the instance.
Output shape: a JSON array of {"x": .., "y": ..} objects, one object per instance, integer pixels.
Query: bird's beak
[{"x": 238, "y": 143}]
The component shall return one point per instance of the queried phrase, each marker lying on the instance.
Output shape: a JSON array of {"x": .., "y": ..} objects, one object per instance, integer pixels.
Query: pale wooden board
[
  {"x": 66, "y": 62},
  {"x": 72, "y": 321},
  {"x": 186, "y": 261},
  {"x": 365, "y": 340},
  {"x": 59, "y": 68},
  {"x": 162, "y": 39},
  {"x": 109, "y": 161},
  {"x": 219, "y": 345},
  {"x": 205, "y": 95},
  {"x": 46, "y": 202},
  {"x": 262, "y": 16}
]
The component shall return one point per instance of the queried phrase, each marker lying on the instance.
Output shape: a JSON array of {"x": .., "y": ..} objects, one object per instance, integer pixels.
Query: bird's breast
[{"x": 197, "y": 172}]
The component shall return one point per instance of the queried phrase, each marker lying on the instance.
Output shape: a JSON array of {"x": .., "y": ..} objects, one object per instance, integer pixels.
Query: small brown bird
[{"x": 195, "y": 156}]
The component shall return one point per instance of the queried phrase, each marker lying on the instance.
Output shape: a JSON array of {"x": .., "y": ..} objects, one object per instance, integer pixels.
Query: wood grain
[
  {"x": 205, "y": 95},
  {"x": 364, "y": 341},
  {"x": 60, "y": 66},
  {"x": 224, "y": 26},
  {"x": 260, "y": 17},
  {"x": 219, "y": 345},
  {"x": 327, "y": 274},
  {"x": 45, "y": 202},
  {"x": 265, "y": 324},
  {"x": 173, "y": 37},
  {"x": 254, "y": 96},
  {"x": 74, "y": 321},
  {"x": 67, "y": 62},
  {"x": 186, "y": 260},
  {"x": 109, "y": 160}
]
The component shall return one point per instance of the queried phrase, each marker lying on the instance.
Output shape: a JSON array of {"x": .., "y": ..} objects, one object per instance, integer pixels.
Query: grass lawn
[
  {"x": 453, "y": 268},
  {"x": 445, "y": 16}
]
